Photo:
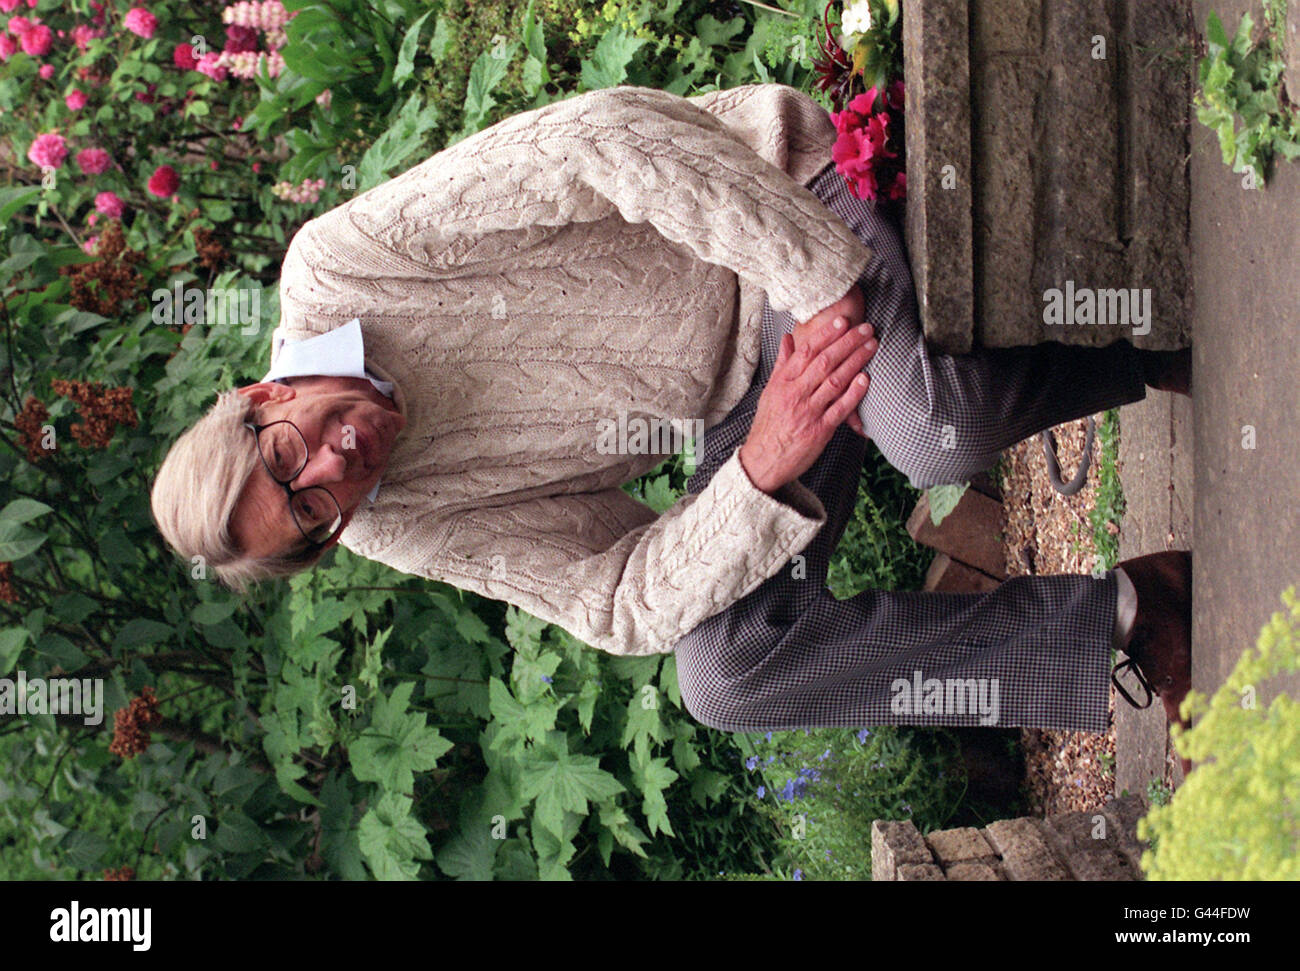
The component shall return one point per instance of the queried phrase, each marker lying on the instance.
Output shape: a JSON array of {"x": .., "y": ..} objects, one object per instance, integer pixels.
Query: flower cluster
[
  {"x": 121, "y": 873},
  {"x": 31, "y": 35},
  {"x": 211, "y": 253},
  {"x": 308, "y": 191},
  {"x": 48, "y": 151},
  {"x": 869, "y": 149},
  {"x": 101, "y": 286},
  {"x": 131, "y": 725},
  {"x": 101, "y": 409},
  {"x": 7, "y": 592},
  {"x": 241, "y": 56},
  {"x": 140, "y": 22},
  {"x": 30, "y": 423}
]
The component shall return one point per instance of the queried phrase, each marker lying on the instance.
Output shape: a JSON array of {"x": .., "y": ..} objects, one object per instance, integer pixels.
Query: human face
[{"x": 350, "y": 429}]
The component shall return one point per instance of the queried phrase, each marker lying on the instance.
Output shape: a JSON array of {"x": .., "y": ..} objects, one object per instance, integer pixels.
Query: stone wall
[
  {"x": 1100, "y": 845},
  {"x": 1047, "y": 143}
]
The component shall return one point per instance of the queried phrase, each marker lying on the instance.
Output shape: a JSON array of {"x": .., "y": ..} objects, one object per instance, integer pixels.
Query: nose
[{"x": 325, "y": 467}]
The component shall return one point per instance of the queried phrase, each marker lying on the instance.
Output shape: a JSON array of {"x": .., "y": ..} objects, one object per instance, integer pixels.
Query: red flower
[
  {"x": 183, "y": 57},
  {"x": 164, "y": 181},
  {"x": 240, "y": 39}
]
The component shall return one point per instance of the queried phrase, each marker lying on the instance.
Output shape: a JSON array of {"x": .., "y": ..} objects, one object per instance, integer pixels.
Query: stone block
[
  {"x": 1123, "y": 814},
  {"x": 1090, "y": 844},
  {"x": 1006, "y": 26},
  {"x": 970, "y": 533},
  {"x": 919, "y": 871},
  {"x": 937, "y": 224},
  {"x": 1025, "y": 854},
  {"x": 972, "y": 871},
  {"x": 947, "y": 575},
  {"x": 1102, "y": 864},
  {"x": 962, "y": 845},
  {"x": 894, "y": 844}
]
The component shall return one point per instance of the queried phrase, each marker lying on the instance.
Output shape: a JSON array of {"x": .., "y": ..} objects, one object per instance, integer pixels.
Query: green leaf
[
  {"x": 12, "y": 641},
  {"x": 1214, "y": 32},
  {"x": 944, "y": 499},
  {"x": 564, "y": 783},
  {"x": 470, "y": 854},
  {"x": 84, "y": 850},
  {"x": 340, "y": 845},
  {"x": 392, "y": 840},
  {"x": 23, "y": 511},
  {"x": 138, "y": 632},
  {"x": 214, "y": 611},
  {"x": 397, "y": 744},
  {"x": 442, "y": 38},
  {"x": 614, "y": 52},
  {"x": 652, "y": 776},
  {"x": 488, "y": 71},
  {"x": 17, "y": 541},
  {"x": 236, "y": 833},
  {"x": 406, "y": 54}
]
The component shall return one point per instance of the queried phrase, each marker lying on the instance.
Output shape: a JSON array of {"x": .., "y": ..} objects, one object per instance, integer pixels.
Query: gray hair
[{"x": 197, "y": 488}]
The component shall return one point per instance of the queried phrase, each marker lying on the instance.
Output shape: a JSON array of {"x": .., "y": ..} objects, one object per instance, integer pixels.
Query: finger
[
  {"x": 847, "y": 403},
  {"x": 826, "y": 363},
  {"x": 856, "y": 423},
  {"x": 838, "y": 381}
]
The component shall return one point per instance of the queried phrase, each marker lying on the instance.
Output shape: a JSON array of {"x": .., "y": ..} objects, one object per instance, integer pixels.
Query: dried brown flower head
[
  {"x": 131, "y": 725},
  {"x": 30, "y": 423},
  {"x": 101, "y": 286},
  {"x": 101, "y": 409}
]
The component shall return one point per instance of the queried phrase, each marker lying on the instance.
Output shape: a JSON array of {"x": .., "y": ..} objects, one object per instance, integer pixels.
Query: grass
[{"x": 1109, "y": 505}]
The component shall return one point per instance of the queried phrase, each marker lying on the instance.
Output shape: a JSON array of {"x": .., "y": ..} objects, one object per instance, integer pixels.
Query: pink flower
[
  {"x": 89, "y": 245},
  {"x": 46, "y": 72},
  {"x": 83, "y": 34},
  {"x": 31, "y": 4},
  {"x": 183, "y": 57},
  {"x": 164, "y": 181},
  {"x": 899, "y": 189},
  {"x": 92, "y": 161},
  {"x": 48, "y": 151},
  {"x": 75, "y": 100},
  {"x": 213, "y": 165},
  {"x": 257, "y": 166},
  {"x": 141, "y": 22},
  {"x": 36, "y": 40},
  {"x": 110, "y": 205},
  {"x": 208, "y": 65},
  {"x": 895, "y": 96},
  {"x": 19, "y": 25},
  {"x": 92, "y": 219},
  {"x": 8, "y": 6},
  {"x": 865, "y": 104},
  {"x": 8, "y": 47}
]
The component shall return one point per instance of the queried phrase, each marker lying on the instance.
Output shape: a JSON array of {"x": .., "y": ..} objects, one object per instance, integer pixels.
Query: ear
[{"x": 265, "y": 391}]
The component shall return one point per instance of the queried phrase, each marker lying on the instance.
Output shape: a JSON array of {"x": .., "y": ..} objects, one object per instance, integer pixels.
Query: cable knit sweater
[{"x": 604, "y": 254}]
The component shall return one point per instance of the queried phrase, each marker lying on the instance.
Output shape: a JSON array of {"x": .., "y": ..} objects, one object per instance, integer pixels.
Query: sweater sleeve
[
  {"x": 605, "y": 568},
  {"x": 646, "y": 154}
]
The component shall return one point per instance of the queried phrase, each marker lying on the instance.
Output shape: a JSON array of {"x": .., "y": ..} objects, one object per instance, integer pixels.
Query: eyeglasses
[{"x": 283, "y": 449}]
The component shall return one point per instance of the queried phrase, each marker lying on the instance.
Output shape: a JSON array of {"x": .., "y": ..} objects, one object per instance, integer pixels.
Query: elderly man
[{"x": 452, "y": 341}]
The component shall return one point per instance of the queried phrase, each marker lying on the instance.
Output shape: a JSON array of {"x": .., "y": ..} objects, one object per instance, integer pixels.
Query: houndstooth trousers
[{"x": 1035, "y": 652}]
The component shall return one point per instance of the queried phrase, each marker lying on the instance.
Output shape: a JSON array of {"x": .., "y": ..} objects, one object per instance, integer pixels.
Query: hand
[
  {"x": 852, "y": 306},
  {"x": 810, "y": 392}
]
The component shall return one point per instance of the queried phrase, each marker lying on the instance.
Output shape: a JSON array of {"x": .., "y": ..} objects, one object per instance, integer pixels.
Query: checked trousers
[{"x": 789, "y": 655}]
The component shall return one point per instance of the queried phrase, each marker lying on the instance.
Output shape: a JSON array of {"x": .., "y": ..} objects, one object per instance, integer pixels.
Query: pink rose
[
  {"x": 164, "y": 181},
  {"x": 8, "y": 6},
  {"x": 208, "y": 65},
  {"x": 8, "y": 47},
  {"x": 110, "y": 205},
  {"x": 48, "y": 151},
  {"x": 46, "y": 72},
  {"x": 19, "y": 25},
  {"x": 36, "y": 40},
  {"x": 75, "y": 100},
  {"x": 83, "y": 34},
  {"x": 92, "y": 219},
  {"x": 183, "y": 57},
  {"x": 141, "y": 22},
  {"x": 92, "y": 161}
]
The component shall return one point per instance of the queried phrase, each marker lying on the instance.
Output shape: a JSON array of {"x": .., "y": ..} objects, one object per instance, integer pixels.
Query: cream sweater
[{"x": 605, "y": 258}]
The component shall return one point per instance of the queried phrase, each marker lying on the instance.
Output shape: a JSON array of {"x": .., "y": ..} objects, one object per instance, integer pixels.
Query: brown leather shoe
[{"x": 1160, "y": 648}]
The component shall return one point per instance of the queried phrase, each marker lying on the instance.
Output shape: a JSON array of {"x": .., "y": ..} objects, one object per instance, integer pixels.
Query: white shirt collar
[{"x": 336, "y": 353}]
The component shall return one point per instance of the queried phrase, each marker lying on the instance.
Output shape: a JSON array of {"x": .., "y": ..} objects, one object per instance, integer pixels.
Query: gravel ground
[{"x": 1046, "y": 533}]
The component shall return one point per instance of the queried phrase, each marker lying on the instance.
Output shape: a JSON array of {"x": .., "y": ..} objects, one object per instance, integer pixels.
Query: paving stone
[
  {"x": 972, "y": 871},
  {"x": 970, "y": 533},
  {"x": 946, "y": 575},
  {"x": 1025, "y": 854},
  {"x": 919, "y": 871},
  {"x": 959, "y": 845},
  {"x": 894, "y": 844}
]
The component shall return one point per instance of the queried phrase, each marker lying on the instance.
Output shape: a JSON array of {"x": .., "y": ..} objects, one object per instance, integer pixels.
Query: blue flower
[
  {"x": 751, "y": 763},
  {"x": 824, "y": 756},
  {"x": 798, "y": 874},
  {"x": 828, "y": 854},
  {"x": 862, "y": 736},
  {"x": 762, "y": 791},
  {"x": 768, "y": 736},
  {"x": 546, "y": 679},
  {"x": 771, "y": 759}
]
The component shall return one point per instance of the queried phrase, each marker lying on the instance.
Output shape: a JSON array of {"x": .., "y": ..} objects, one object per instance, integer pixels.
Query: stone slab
[
  {"x": 959, "y": 845},
  {"x": 1025, "y": 853},
  {"x": 970, "y": 533},
  {"x": 946, "y": 575}
]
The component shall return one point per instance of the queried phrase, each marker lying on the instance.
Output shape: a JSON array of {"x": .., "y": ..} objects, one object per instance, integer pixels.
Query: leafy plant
[
  {"x": 1235, "y": 816},
  {"x": 1241, "y": 81}
]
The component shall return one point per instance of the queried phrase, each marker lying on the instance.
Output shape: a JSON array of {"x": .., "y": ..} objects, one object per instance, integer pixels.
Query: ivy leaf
[
  {"x": 397, "y": 743},
  {"x": 392, "y": 840}
]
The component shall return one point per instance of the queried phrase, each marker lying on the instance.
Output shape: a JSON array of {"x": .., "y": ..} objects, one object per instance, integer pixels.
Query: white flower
[{"x": 857, "y": 18}]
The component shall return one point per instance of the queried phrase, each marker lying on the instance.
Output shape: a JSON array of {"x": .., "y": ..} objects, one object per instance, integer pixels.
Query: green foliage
[
  {"x": 1108, "y": 507},
  {"x": 1241, "y": 82},
  {"x": 1235, "y": 816},
  {"x": 944, "y": 499}
]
